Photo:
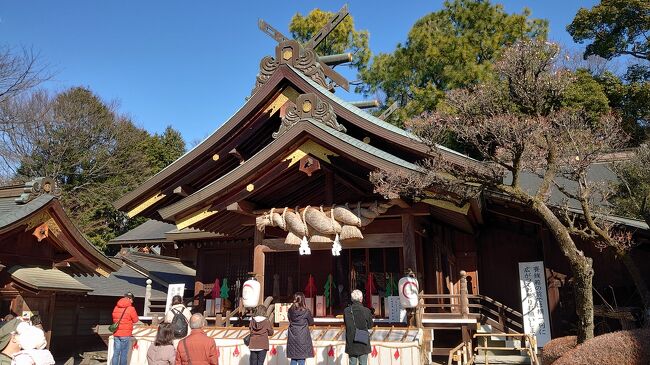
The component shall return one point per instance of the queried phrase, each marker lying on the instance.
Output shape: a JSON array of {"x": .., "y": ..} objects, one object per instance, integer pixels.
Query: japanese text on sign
[{"x": 534, "y": 305}]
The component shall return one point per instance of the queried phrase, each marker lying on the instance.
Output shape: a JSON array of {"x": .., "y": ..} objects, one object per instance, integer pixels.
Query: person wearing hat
[
  {"x": 125, "y": 315},
  {"x": 9, "y": 341},
  {"x": 31, "y": 340}
]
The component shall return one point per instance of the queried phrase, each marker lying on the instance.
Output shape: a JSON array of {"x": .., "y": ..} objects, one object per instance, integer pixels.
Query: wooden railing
[
  {"x": 461, "y": 354},
  {"x": 496, "y": 314},
  {"x": 468, "y": 306},
  {"x": 528, "y": 344}
]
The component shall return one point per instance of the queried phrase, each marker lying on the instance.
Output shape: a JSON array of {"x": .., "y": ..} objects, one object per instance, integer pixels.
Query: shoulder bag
[
  {"x": 115, "y": 325},
  {"x": 360, "y": 335},
  {"x": 189, "y": 361}
]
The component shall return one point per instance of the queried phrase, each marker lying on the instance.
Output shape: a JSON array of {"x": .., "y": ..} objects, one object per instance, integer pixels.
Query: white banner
[
  {"x": 534, "y": 304},
  {"x": 232, "y": 351},
  {"x": 173, "y": 290}
]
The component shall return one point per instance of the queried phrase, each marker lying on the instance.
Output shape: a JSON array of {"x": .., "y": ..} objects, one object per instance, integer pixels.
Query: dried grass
[
  {"x": 623, "y": 347},
  {"x": 557, "y": 347}
]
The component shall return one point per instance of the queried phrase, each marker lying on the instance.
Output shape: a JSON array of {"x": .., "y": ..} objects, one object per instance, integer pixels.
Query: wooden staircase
[{"x": 477, "y": 317}]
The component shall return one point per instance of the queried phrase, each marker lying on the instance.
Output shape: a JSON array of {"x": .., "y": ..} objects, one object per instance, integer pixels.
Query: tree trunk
[
  {"x": 639, "y": 282},
  {"x": 581, "y": 268}
]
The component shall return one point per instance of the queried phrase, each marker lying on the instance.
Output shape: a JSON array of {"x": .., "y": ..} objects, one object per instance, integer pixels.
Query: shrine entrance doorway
[{"x": 288, "y": 272}]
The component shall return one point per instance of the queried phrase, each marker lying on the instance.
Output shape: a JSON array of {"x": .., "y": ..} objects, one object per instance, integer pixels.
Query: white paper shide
[{"x": 534, "y": 304}]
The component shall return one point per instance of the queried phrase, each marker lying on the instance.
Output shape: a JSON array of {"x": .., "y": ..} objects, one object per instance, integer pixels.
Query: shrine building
[
  {"x": 283, "y": 182},
  {"x": 41, "y": 253}
]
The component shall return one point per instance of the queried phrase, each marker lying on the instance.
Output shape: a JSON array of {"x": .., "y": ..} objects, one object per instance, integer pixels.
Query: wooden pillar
[
  {"x": 464, "y": 306},
  {"x": 464, "y": 301},
  {"x": 408, "y": 236},
  {"x": 199, "y": 292},
  {"x": 259, "y": 260},
  {"x": 49, "y": 326}
]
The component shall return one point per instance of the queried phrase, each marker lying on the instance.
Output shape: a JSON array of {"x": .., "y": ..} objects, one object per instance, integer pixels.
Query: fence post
[
  {"x": 147, "y": 299},
  {"x": 464, "y": 301}
]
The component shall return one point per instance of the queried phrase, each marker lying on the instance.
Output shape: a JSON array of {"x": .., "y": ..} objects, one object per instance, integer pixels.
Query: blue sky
[{"x": 191, "y": 64}]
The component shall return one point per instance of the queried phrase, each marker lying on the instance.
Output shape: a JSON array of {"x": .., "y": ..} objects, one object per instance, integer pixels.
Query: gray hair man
[
  {"x": 357, "y": 318},
  {"x": 197, "y": 348}
]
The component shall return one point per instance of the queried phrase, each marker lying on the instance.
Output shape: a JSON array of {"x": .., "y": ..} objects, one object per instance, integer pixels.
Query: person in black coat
[
  {"x": 359, "y": 317},
  {"x": 299, "y": 345}
]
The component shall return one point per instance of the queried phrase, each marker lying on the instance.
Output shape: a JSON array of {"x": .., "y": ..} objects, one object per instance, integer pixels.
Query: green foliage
[
  {"x": 164, "y": 149},
  {"x": 451, "y": 48},
  {"x": 587, "y": 94},
  {"x": 344, "y": 38},
  {"x": 614, "y": 28},
  {"x": 632, "y": 197},
  {"x": 96, "y": 155},
  {"x": 630, "y": 98},
  {"x": 620, "y": 28}
]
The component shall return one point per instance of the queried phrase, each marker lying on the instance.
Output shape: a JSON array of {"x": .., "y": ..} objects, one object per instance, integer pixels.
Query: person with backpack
[
  {"x": 179, "y": 318},
  {"x": 162, "y": 351},
  {"x": 124, "y": 315},
  {"x": 260, "y": 330}
]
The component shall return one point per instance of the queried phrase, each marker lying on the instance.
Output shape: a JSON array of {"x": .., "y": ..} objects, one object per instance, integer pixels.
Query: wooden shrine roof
[
  {"x": 134, "y": 270},
  {"x": 210, "y": 161},
  {"x": 27, "y": 206},
  {"x": 330, "y": 138},
  {"x": 38, "y": 278}
]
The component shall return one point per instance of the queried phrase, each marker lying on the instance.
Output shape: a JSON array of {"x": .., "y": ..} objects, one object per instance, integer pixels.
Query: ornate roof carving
[
  {"x": 37, "y": 187},
  {"x": 309, "y": 106},
  {"x": 290, "y": 52}
]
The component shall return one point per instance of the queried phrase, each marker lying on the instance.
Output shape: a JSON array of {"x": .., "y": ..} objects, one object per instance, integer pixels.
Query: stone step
[{"x": 502, "y": 359}]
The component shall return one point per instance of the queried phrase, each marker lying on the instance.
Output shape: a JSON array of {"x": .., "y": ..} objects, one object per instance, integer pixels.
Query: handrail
[
  {"x": 462, "y": 354},
  {"x": 497, "y": 303},
  {"x": 465, "y": 305},
  {"x": 529, "y": 340}
]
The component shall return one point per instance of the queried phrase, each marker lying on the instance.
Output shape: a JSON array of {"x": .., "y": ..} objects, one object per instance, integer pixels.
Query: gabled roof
[
  {"x": 155, "y": 191},
  {"x": 19, "y": 209},
  {"x": 133, "y": 277},
  {"x": 279, "y": 149},
  {"x": 150, "y": 232},
  {"x": 38, "y": 278}
]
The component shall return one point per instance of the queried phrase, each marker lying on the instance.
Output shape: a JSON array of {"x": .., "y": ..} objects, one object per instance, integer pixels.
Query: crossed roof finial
[{"x": 302, "y": 56}]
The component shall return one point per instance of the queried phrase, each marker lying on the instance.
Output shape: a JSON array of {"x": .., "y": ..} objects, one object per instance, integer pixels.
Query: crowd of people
[
  {"x": 23, "y": 342},
  {"x": 180, "y": 339},
  {"x": 193, "y": 346}
]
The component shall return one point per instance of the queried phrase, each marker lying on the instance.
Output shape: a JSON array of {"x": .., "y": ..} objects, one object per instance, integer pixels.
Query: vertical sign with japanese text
[
  {"x": 534, "y": 304},
  {"x": 172, "y": 290}
]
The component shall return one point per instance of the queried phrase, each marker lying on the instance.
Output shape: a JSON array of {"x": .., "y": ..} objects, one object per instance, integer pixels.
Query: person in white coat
[
  {"x": 32, "y": 343},
  {"x": 178, "y": 307}
]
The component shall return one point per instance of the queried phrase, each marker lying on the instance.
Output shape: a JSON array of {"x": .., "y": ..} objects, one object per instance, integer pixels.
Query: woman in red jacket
[{"x": 125, "y": 314}]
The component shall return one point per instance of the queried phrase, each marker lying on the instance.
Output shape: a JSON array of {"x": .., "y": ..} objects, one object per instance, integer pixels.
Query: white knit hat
[{"x": 30, "y": 337}]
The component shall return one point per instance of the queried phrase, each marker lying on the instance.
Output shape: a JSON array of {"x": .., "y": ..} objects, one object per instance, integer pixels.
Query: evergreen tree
[
  {"x": 344, "y": 38},
  {"x": 451, "y": 48},
  {"x": 95, "y": 154}
]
